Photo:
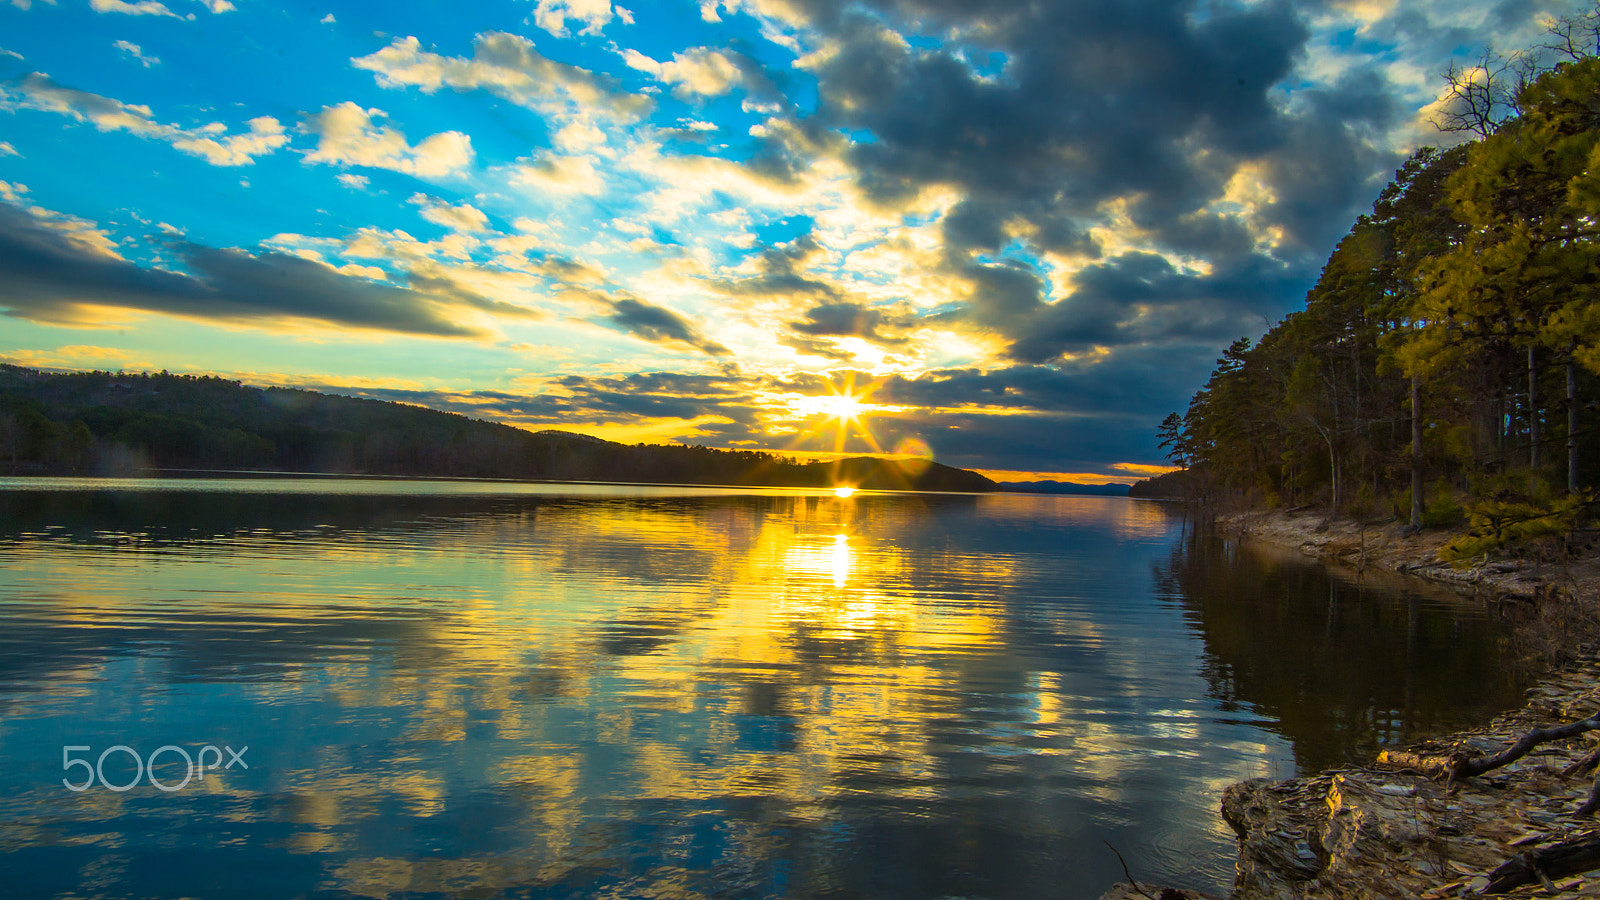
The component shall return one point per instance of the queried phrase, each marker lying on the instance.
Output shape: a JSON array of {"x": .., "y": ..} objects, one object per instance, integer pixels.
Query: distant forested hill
[{"x": 114, "y": 423}]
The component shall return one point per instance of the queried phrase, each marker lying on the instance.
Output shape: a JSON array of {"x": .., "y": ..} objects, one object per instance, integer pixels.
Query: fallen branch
[
  {"x": 1591, "y": 804},
  {"x": 1468, "y": 768},
  {"x": 1583, "y": 766},
  {"x": 1556, "y": 861},
  {"x": 1431, "y": 765}
]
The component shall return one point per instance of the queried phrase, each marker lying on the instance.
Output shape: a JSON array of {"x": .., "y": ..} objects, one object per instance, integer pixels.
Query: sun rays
[{"x": 844, "y": 410}]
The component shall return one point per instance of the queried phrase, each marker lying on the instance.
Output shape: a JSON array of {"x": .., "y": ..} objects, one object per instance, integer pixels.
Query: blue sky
[{"x": 1013, "y": 235}]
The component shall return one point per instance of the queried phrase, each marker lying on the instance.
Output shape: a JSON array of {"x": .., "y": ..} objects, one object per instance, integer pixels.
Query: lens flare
[{"x": 914, "y": 455}]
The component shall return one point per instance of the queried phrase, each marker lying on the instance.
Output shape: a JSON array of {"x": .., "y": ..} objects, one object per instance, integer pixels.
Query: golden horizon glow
[{"x": 843, "y": 490}]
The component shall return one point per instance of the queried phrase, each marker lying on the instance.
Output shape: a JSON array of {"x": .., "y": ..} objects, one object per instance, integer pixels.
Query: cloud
[
  {"x": 215, "y": 146},
  {"x": 552, "y": 15},
  {"x": 353, "y": 181},
  {"x": 134, "y": 52},
  {"x": 658, "y": 324},
  {"x": 851, "y": 320},
  {"x": 508, "y": 66},
  {"x": 464, "y": 218},
  {"x": 347, "y": 136},
  {"x": 139, "y": 8},
  {"x": 210, "y": 142},
  {"x": 562, "y": 175},
  {"x": 61, "y": 270},
  {"x": 7, "y": 150},
  {"x": 699, "y": 71}
]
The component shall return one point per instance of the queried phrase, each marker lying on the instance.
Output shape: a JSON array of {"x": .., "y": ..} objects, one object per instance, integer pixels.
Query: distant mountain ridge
[
  {"x": 118, "y": 423},
  {"x": 1065, "y": 487}
]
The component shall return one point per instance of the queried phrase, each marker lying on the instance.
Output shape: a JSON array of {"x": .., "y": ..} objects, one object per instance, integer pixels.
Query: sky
[{"x": 1008, "y": 235}]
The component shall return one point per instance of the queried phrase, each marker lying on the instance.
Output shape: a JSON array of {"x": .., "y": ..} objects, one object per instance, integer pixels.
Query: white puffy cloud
[
  {"x": 139, "y": 8},
  {"x": 552, "y": 15},
  {"x": 215, "y": 146},
  {"x": 461, "y": 218},
  {"x": 353, "y": 181},
  {"x": 506, "y": 65},
  {"x": 559, "y": 175},
  {"x": 348, "y": 136},
  {"x": 211, "y": 142},
  {"x": 700, "y": 70},
  {"x": 579, "y": 135}
]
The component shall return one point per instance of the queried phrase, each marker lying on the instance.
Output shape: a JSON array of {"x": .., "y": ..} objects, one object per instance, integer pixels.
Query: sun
[{"x": 841, "y": 406}]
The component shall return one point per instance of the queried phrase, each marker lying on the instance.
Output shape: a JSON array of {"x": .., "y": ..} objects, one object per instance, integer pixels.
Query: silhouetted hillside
[
  {"x": 1177, "y": 485},
  {"x": 110, "y": 423}
]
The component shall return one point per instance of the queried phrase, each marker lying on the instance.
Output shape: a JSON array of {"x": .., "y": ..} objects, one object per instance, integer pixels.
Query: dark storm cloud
[
  {"x": 1141, "y": 299},
  {"x": 1097, "y": 101},
  {"x": 1042, "y": 114},
  {"x": 641, "y": 318},
  {"x": 660, "y": 325},
  {"x": 48, "y": 274},
  {"x": 850, "y": 320}
]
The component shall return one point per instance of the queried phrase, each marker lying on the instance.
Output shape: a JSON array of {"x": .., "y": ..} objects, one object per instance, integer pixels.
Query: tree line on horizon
[
  {"x": 1444, "y": 369},
  {"x": 114, "y": 423}
]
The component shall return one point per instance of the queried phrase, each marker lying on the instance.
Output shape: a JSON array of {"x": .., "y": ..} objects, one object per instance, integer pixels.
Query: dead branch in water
[{"x": 1127, "y": 873}]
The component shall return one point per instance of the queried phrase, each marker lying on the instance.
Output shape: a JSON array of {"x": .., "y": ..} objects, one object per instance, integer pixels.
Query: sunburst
[{"x": 845, "y": 410}]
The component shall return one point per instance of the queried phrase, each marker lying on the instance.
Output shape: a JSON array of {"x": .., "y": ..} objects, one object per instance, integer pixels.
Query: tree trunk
[
  {"x": 1333, "y": 469},
  {"x": 1572, "y": 424},
  {"x": 1533, "y": 412},
  {"x": 1416, "y": 454}
]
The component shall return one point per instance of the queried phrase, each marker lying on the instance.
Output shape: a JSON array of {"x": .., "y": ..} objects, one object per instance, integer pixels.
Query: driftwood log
[{"x": 1540, "y": 866}]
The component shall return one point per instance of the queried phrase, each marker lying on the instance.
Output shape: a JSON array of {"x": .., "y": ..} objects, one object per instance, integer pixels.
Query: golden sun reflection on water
[{"x": 593, "y": 685}]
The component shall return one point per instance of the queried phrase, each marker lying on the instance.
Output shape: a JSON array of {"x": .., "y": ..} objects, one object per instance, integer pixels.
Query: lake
[{"x": 481, "y": 690}]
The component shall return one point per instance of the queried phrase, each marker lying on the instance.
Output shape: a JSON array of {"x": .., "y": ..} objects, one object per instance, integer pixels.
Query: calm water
[{"x": 473, "y": 691}]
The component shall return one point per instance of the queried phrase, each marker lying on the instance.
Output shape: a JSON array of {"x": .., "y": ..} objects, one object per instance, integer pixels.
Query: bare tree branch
[
  {"x": 1576, "y": 36},
  {"x": 1482, "y": 98}
]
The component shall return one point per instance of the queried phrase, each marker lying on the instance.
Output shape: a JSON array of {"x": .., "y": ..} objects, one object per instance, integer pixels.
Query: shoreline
[
  {"x": 1383, "y": 830},
  {"x": 1383, "y": 545}
]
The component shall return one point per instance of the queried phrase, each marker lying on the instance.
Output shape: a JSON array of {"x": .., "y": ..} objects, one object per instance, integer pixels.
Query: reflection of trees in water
[{"x": 1342, "y": 668}]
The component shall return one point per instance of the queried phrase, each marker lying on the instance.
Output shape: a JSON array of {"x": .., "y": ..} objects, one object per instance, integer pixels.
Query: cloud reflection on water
[{"x": 639, "y": 695}]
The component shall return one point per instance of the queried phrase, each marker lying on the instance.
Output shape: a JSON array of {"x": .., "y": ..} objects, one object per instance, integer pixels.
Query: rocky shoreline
[
  {"x": 1387, "y": 545},
  {"x": 1402, "y": 827}
]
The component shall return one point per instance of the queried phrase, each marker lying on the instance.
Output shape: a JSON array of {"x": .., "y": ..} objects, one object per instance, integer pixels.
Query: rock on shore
[
  {"x": 1386, "y": 831},
  {"x": 1389, "y": 831}
]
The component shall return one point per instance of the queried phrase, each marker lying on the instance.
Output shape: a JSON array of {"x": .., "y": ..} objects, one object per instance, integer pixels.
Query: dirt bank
[{"x": 1386, "y": 545}]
